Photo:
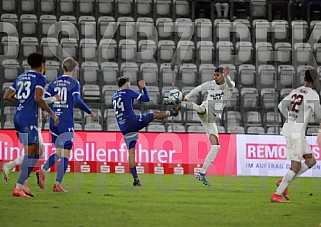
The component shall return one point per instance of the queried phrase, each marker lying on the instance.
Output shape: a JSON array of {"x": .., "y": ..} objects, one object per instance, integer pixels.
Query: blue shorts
[
  {"x": 27, "y": 130},
  {"x": 62, "y": 135},
  {"x": 132, "y": 125}
]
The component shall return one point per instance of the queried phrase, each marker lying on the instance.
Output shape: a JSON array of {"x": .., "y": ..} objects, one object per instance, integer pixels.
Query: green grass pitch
[{"x": 163, "y": 200}]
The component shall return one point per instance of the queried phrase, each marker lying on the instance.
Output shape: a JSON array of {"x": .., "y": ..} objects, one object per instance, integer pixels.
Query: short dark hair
[
  {"x": 311, "y": 75},
  {"x": 35, "y": 60},
  {"x": 219, "y": 70},
  {"x": 122, "y": 80}
]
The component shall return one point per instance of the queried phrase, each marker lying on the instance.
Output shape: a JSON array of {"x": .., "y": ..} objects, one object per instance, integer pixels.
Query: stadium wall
[{"x": 169, "y": 153}]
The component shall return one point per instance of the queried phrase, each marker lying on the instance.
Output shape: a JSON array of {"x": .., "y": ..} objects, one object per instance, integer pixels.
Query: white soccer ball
[{"x": 175, "y": 96}]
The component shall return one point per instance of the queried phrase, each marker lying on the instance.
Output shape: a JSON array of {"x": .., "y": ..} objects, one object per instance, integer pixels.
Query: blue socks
[
  {"x": 134, "y": 172},
  {"x": 62, "y": 167},
  {"x": 51, "y": 161},
  {"x": 27, "y": 166}
]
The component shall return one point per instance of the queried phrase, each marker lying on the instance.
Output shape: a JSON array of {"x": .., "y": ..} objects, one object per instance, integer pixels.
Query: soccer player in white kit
[
  {"x": 298, "y": 108},
  {"x": 219, "y": 90}
]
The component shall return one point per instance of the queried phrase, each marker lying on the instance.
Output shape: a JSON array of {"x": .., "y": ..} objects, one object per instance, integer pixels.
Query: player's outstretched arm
[
  {"x": 40, "y": 101},
  {"x": 145, "y": 95},
  {"x": 227, "y": 78},
  {"x": 51, "y": 99},
  {"x": 10, "y": 95},
  {"x": 80, "y": 103}
]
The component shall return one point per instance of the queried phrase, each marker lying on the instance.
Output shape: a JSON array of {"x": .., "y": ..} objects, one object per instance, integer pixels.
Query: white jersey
[
  {"x": 298, "y": 108},
  {"x": 217, "y": 95}
]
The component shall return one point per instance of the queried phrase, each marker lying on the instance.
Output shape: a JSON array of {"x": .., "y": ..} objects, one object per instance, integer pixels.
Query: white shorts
[
  {"x": 209, "y": 127},
  {"x": 296, "y": 147}
]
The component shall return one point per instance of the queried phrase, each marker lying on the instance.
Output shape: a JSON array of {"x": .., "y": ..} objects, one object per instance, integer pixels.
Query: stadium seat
[
  {"x": 108, "y": 91},
  {"x": 9, "y": 112},
  {"x": 167, "y": 75},
  {"x": 163, "y": 8},
  {"x": 235, "y": 129},
  {"x": 203, "y": 29},
  {"x": 194, "y": 98},
  {"x": 272, "y": 119},
  {"x": 165, "y": 28},
  {"x": 317, "y": 52},
  {"x": 147, "y": 51},
  {"x": 49, "y": 47},
  {"x": 302, "y": 54},
  {"x": 85, "y": 7},
  {"x": 130, "y": 70},
  {"x": 247, "y": 75},
  {"x": 184, "y": 28},
  {"x": 107, "y": 27},
  {"x": 263, "y": 53},
  {"x": 10, "y": 45},
  {"x": 269, "y": 98},
  {"x": 8, "y": 125},
  {"x": 28, "y": 46},
  {"x": 156, "y": 128},
  {"x": 127, "y": 28},
  {"x": 166, "y": 49},
  {"x": 87, "y": 25},
  {"x": 109, "y": 72},
  {"x": 205, "y": 52},
  {"x": 286, "y": 74},
  {"x": 25, "y": 66},
  {"x": 125, "y": 7},
  {"x": 68, "y": 26},
  {"x": 149, "y": 73},
  {"x": 48, "y": 6},
  {"x": 253, "y": 118},
  {"x": 11, "y": 69},
  {"x": 29, "y": 25},
  {"x": 154, "y": 96},
  {"x": 175, "y": 127},
  {"x": 299, "y": 31},
  {"x": 77, "y": 126},
  {"x": 273, "y": 130},
  {"x": 77, "y": 115},
  {"x": 196, "y": 129},
  {"x": 69, "y": 48},
  {"x": 107, "y": 50},
  {"x": 93, "y": 127},
  {"x": 144, "y": 8},
  {"x": 88, "y": 49},
  {"x": 249, "y": 98},
  {"x": 206, "y": 72},
  {"x": 186, "y": 50},
  {"x": 234, "y": 101},
  {"x": 261, "y": 30},
  {"x": 283, "y": 53},
  {"x": 259, "y": 9},
  {"x": 52, "y": 70},
  {"x": 233, "y": 118},
  {"x": 255, "y": 130},
  {"x": 13, "y": 20},
  {"x": 242, "y": 30},
  {"x": 183, "y": 8},
  {"x": 127, "y": 50},
  {"x": 105, "y": 7},
  {"x": 66, "y": 7},
  {"x": 222, "y": 30},
  {"x": 280, "y": 29},
  {"x": 146, "y": 29},
  {"x": 47, "y": 25},
  {"x": 224, "y": 52},
  {"x": 315, "y": 27},
  {"x": 188, "y": 73},
  {"x": 244, "y": 52},
  {"x": 91, "y": 92},
  {"x": 312, "y": 131},
  {"x": 90, "y": 72},
  {"x": 267, "y": 76}
]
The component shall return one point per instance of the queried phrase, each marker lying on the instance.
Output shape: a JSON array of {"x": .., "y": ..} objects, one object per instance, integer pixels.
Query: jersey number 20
[{"x": 62, "y": 92}]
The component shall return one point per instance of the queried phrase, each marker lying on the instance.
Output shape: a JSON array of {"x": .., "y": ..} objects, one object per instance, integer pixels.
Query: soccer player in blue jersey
[
  {"x": 27, "y": 91},
  {"x": 62, "y": 135},
  {"x": 129, "y": 123}
]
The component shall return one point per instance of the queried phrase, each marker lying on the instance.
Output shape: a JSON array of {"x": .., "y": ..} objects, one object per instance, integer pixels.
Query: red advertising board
[{"x": 172, "y": 153}]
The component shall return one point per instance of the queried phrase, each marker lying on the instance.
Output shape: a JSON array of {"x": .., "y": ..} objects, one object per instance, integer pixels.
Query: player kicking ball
[{"x": 129, "y": 123}]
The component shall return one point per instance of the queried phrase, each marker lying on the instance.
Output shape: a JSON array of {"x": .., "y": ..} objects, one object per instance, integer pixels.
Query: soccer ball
[{"x": 175, "y": 96}]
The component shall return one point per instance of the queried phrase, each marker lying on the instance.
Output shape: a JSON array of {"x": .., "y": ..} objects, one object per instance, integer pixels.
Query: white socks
[
  {"x": 303, "y": 168},
  {"x": 289, "y": 176},
  {"x": 210, "y": 158},
  {"x": 15, "y": 162},
  {"x": 193, "y": 106}
]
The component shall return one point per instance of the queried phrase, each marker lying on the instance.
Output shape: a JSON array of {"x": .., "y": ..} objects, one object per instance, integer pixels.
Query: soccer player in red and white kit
[{"x": 298, "y": 108}]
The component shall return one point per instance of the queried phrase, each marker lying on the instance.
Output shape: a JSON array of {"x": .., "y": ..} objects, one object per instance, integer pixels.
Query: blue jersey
[
  {"x": 25, "y": 88},
  {"x": 123, "y": 103},
  {"x": 66, "y": 87}
]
